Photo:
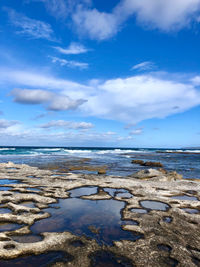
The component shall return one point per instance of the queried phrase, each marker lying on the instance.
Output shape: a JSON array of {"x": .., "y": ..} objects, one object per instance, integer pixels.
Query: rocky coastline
[{"x": 161, "y": 210}]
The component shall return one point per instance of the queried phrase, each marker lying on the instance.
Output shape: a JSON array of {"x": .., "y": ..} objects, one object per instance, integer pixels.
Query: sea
[{"x": 117, "y": 160}]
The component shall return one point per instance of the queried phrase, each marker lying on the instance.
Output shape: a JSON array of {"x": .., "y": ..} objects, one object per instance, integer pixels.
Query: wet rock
[
  {"x": 157, "y": 174},
  {"x": 137, "y": 161},
  {"x": 102, "y": 171},
  {"x": 147, "y": 163},
  {"x": 152, "y": 164},
  {"x": 94, "y": 229},
  {"x": 146, "y": 174},
  {"x": 161, "y": 237}
]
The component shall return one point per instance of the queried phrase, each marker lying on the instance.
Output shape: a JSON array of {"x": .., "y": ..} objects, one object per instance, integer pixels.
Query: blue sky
[{"x": 100, "y": 73}]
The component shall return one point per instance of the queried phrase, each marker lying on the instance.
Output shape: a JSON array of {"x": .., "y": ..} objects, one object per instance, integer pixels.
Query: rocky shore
[{"x": 160, "y": 210}]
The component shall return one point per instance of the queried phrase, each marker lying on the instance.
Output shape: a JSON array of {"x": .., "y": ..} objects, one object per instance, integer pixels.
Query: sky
[{"x": 100, "y": 73}]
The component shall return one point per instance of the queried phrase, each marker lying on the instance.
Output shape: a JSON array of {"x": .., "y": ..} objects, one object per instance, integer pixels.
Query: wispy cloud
[
  {"x": 60, "y": 9},
  {"x": 70, "y": 63},
  {"x": 33, "y": 28},
  {"x": 57, "y": 8},
  {"x": 146, "y": 65},
  {"x": 52, "y": 101},
  {"x": 68, "y": 125},
  {"x": 72, "y": 49}
]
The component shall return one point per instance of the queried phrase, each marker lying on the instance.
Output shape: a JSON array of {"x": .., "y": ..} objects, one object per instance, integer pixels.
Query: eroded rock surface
[{"x": 167, "y": 231}]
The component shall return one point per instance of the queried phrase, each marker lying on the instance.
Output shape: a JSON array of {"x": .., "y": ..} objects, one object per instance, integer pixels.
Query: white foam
[{"x": 2, "y": 149}]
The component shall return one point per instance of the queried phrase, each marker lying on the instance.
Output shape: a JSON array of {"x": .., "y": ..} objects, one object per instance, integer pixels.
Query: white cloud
[
  {"x": 164, "y": 15},
  {"x": 4, "y": 124},
  {"x": 25, "y": 78},
  {"x": 130, "y": 100},
  {"x": 31, "y": 97},
  {"x": 62, "y": 102},
  {"x": 141, "y": 97},
  {"x": 70, "y": 63},
  {"x": 60, "y": 9},
  {"x": 33, "y": 28},
  {"x": 57, "y": 8},
  {"x": 146, "y": 65},
  {"x": 68, "y": 137},
  {"x": 72, "y": 49},
  {"x": 196, "y": 80},
  {"x": 67, "y": 124},
  {"x": 137, "y": 131},
  {"x": 52, "y": 101},
  {"x": 158, "y": 14},
  {"x": 95, "y": 24}
]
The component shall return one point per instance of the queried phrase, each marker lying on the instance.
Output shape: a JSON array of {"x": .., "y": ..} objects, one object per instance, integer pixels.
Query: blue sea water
[{"x": 118, "y": 160}]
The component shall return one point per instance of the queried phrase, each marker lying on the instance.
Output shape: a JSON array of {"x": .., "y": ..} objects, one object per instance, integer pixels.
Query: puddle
[
  {"x": 83, "y": 191},
  {"x": 185, "y": 197},
  {"x": 154, "y": 205},
  {"x": 77, "y": 243},
  {"x": 164, "y": 247},
  {"x": 76, "y": 215},
  {"x": 124, "y": 195},
  {"x": 42, "y": 260},
  {"x": 104, "y": 258},
  {"x": 5, "y": 210},
  {"x": 114, "y": 192},
  {"x": 7, "y": 226},
  {"x": 196, "y": 261},
  {"x": 28, "y": 204},
  {"x": 132, "y": 222},
  {"x": 167, "y": 219},
  {"x": 33, "y": 188},
  {"x": 191, "y": 211},
  {"x": 5, "y": 188},
  {"x": 26, "y": 238},
  {"x": 137, "y": 210},
  {"x": 111, "y": 191},
  {"x": 171, "y": 262},
  {"x": 8, "y": 181}
]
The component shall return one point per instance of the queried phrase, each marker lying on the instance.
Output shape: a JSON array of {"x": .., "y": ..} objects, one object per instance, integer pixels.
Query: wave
[
  {"x": 74, "y": 151},
  {"x": 48, "y": 149},
  {"x": 182, "y": 151},
  {"x": 6, "y": 148}
]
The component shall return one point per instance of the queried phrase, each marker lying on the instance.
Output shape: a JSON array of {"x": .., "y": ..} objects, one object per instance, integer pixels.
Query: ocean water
[{"x": 117, "y": 160}]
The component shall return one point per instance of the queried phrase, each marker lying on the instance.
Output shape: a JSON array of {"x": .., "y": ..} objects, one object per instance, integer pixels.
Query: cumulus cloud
[
  {"x": 33, "y": 28},
  {"x": 163, "y": 15},
  {"x": 141, "y": 97},
  {"x": 70, "y": 63},
  {"x": 52, "y": 101},
  {"x": 59, "y": 103},
  {"x": 95, "y": 24},
  {"x": 67, "y": 124},
  {"x": 72, "y": 49},
  {"x": 130, "y": 100},
  {"x": 4, "y": 124},
  {"x": 146, "y": 65}
]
